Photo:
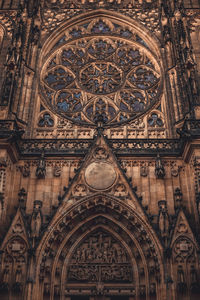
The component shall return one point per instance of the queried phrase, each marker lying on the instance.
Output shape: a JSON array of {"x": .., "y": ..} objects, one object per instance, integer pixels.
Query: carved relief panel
[{"x": 100, "y": 258}]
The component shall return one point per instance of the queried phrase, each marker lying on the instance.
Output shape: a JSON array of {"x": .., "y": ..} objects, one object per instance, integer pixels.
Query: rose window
[
  {"x": 101, "y": 78},
  {"x": 101, "y": 75}
]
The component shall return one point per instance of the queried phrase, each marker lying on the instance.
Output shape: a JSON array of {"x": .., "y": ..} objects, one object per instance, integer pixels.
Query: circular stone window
[{"x": 100, "y": 69}]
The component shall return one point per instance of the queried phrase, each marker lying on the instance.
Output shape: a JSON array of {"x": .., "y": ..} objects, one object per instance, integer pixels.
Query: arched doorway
[
  {"x": 102, "y": 250},
  {"x": 101, "y": 265}
]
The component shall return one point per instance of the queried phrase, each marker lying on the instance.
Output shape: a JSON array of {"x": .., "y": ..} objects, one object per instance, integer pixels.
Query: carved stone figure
[
  {"x": 26, "y": 170},
  {"x": 143, "y": 171},
  {"x": 177, "y": 199},
  {"x": 41, "y": 168},
  {"x": 22, "y": 198},
  {"x": 100, "y": 258},
  {"x": 36, "y": 219},
  {"x": 163, "y": 218},
  {"x": 7, "y": 88},
  {"x": 159, "y": 168},
  {"x": 57, "y": 171}
]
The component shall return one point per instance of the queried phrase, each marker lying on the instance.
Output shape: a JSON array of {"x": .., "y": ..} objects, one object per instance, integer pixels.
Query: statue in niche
[
  {"x": 159, "y": 168},
  {"x": 36, "y": 219},
  {"x": 7, "y": 88},
  {"x": 163, "y": 219},
  {"x": 25, "y": 170},
  {"x": 144, "y": 171},
  {"x": 57, "y": 171},
  {"x": 41, "y": 168}
]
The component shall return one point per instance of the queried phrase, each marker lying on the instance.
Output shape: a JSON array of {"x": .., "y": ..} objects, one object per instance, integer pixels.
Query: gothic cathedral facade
[{"x": 99, "y": 149}]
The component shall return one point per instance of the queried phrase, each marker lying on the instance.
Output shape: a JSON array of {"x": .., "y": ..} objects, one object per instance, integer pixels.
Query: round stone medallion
[{"x": 100, "y": 175}]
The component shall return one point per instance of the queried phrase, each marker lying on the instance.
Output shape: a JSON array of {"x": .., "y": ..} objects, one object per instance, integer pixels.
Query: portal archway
[{"x": 100, "y": 248}]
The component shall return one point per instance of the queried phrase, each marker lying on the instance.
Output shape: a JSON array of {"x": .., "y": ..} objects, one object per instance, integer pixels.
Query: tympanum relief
[{"x": 100, "y": 258}]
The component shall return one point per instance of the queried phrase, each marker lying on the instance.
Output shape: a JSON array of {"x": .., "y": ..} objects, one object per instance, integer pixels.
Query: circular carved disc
[{"x": 100, "y": 175}]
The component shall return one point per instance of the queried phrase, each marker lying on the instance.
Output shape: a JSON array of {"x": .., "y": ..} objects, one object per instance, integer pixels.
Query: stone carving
[
  {"x": 155, "y": 120},
  {"x": 3, "y": 163},
  {"x": 98, "y": 4},
  {"x": 25, "y": 170},
  {"x": 178, "y": 200},
  {"x": 80, "y": 190},
  {"x": 85, "y": 83},
  {"x": 35, "y": 35},
  {"x": 46, "y": 120},
  {"x": 101, "y": 153},
  {"x": 163, "y": 219},
  {"x": 120, "y": 190},
  {"x": 36, "y": 219},
  {"x": 17, "y": 228},
  {"x": 175, "y": 171},
  {"x": 100, "y": 258},
  {"x": 57, "y": 171},
  {"x": 2, "y": 180},
  {"x": 22, "y": 198},
  {"x": 182, "y": 226},
  {"x": 144, "y": 171},
  {"x": 41, "y": 168},
  {"x": 196, "y": 165},
  {"x": 16, "y": 246},
  {"x": 183, "y": 249},
  {"x": 159, "y": 168}
]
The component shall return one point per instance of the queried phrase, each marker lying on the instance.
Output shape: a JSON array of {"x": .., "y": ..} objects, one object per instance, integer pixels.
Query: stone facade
[{"x": 99, "y": 149}]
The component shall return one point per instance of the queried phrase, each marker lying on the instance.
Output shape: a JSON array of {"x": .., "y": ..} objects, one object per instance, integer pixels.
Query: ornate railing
[
  {"x": 81, "y": 147},
  {"x": 10, "y": 131},
  {"x": 54, "y": 146},
  {"x": 146, "y": 146}
]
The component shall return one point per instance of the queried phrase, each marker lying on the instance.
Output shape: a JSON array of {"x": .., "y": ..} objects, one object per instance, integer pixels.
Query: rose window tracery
[{"x": 92, "y": 72}]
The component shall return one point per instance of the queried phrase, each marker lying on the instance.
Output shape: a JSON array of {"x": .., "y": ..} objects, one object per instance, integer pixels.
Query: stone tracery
[{"x": 97, "y": 70}]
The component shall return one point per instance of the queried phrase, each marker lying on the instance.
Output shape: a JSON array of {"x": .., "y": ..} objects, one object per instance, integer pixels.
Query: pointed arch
[
  {"x": 96, "y": 214},
  {"x": 148, "y": 37}
]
